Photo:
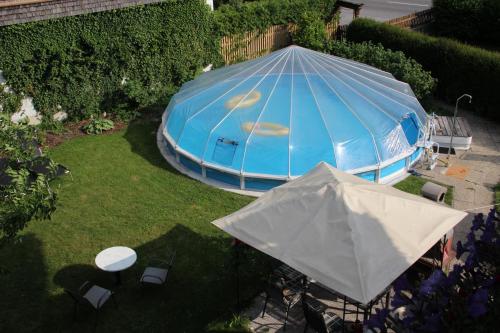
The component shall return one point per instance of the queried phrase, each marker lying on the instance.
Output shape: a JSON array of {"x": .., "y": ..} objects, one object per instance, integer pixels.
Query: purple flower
[
  {"x": 398, "y": 300},
  {"x": 477, "y": 303},
  {"x": 378, "y": 319},
  {"x": 460, "y": 249},
  {"x": 401, "y": 283},
  {"x": 489, "y": 232},
  {"x": 454, "y": 275},
  {"x": 471, "y": 239},
  {"x": 432, "y": 323},
  {"x": 407, "y": 320},
  {"x": 429, "y": 285},
  {"x": 476, "y": 224},
  {"x": 470, "y": 261}
]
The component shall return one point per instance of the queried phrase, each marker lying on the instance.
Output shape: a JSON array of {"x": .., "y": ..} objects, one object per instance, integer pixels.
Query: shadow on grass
[
  {"x": 200, "y": 288},
  {"x": 141, "y": 135},
  {"x": 22, "y": 285}
]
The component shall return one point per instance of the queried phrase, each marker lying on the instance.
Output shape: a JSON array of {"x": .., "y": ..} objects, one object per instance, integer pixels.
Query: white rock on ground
[
  {"x": 27, "y": 108},
  {"x": 60, "y": 116},
  {"x": 28, "y": 112}
]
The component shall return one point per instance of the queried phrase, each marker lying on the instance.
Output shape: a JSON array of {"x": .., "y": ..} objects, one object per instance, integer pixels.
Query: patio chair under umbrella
[{"x": 349, "y": 234}]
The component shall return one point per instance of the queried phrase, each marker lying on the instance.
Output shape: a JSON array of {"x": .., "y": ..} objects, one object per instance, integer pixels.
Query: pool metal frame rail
[{"x": 386, "y": 173}]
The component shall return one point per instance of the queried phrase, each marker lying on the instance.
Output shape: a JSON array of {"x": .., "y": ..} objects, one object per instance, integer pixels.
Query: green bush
[
  {"x": 98, "y": 125},
  {"x": 311, "y": 32},
  {"x": 394, "y": 62},
  {"x": 459, "y": 68},
  {"x": 237, "y": 324},
  {"x": 240, "y": 17},
  {"x": 114, "y": 61},
  {"x": 25, "y": 197},
  {"x": 473, "y": 21},
  {"x": 9, "y": 102}
]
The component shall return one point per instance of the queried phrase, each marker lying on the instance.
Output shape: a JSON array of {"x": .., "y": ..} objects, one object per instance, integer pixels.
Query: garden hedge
[
  {"x": 472, "y": 21},
  {"x": 459, "y": 68},
  {"x": 114, "y": 61}
]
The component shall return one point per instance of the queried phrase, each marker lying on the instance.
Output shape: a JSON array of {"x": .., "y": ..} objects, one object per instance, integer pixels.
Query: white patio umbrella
[{"x": 347, "y": 233}]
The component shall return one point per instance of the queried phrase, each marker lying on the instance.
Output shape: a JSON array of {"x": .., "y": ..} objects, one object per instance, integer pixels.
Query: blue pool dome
[{"x": 262, "y": 122}]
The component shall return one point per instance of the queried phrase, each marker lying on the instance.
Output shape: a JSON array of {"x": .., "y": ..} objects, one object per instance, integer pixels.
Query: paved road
[{"x": 383, "y": 10}]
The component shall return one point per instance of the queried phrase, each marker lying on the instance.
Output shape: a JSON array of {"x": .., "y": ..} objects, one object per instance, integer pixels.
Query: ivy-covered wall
[{"x": 115, "y": 61}]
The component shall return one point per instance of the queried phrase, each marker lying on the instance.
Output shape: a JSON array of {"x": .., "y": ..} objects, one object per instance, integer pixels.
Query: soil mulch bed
[{"x": 74, "y": 130}]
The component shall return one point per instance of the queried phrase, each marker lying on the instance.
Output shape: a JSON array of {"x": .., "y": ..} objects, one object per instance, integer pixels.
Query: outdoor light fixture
[{"x": 454, "y": 121}]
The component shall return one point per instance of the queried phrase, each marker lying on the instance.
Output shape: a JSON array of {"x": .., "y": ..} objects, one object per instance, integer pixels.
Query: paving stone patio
[{"x": 474, "y": 190}]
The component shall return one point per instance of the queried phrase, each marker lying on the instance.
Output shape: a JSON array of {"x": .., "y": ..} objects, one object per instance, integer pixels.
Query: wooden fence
[
  {"x": 413, "y": 21},
  {"x": 255, "y": 44}
]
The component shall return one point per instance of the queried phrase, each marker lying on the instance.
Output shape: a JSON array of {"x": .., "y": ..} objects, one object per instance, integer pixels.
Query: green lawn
[
  {"x": 414, "y": 185},
  {"x": 123, "y": 193}
]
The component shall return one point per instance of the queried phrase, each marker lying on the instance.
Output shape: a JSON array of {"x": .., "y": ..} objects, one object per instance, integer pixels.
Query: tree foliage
[
  {"x": 395, "y": 62},
  {"x": 311, "y": 32},
  {"x": 240, "y": 17},
  {"x": 24, "y": 195}
]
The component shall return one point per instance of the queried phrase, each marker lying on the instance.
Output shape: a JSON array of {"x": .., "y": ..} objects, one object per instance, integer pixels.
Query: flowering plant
[{"x": 465, "y": 300}]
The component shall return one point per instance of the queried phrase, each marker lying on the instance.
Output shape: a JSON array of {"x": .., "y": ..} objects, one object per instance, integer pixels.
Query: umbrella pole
[
  {"x": 237, "y": 249},
  {"x": 443, "y": 249},
  {"x": 343, "y": 316}
]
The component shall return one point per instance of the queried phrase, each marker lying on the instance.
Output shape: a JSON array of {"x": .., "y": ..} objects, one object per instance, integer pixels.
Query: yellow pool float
[
  {"x": 265, "y": 129},
  {"x": 241, "y": 101}
]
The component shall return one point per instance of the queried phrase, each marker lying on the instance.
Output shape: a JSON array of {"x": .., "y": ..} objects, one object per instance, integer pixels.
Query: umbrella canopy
[{"x": 347, "y": 233}]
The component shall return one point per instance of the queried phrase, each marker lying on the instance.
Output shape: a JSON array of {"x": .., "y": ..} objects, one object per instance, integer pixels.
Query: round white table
[{"x": 116, "y": 259}]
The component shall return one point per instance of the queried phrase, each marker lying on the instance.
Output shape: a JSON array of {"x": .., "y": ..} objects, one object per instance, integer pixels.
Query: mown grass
[
  {"x": 124, "y": 193},
  {"x": 414, "y": 185}
]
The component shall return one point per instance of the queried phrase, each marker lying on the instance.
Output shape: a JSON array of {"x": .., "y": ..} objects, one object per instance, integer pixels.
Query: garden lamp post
[{"x": 454, "y": 122}]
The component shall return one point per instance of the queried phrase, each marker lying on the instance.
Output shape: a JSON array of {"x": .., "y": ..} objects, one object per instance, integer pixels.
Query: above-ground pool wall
[{"x": 382, "y": 175}]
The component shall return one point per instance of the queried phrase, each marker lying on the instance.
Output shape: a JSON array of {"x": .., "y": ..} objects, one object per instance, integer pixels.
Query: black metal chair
[
  {"x": 281, "y": 294},
  {"x": 158, "y": 272},
  {"x": 91, "y": 296},
  {"x": 319, "y": 320}
]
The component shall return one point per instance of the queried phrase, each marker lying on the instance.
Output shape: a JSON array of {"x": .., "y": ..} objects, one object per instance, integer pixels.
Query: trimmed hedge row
[
  {"x": 241, "y": 17},
  {"x": 473, "y": 21},
  {"x": 114, "y": 61},
  {"x": 459, "y": 68}
]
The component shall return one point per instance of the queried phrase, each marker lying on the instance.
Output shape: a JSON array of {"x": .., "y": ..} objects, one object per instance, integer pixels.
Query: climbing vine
[{"x": 114, "y": 61}]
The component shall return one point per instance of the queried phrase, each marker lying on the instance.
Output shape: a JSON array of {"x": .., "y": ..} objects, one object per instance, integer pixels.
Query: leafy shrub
[
  {"x": 241, "y": 17},
  {"x": 9, "y": 101},
  {"x": 473, "y": 21},
  {"x": 311, "y": 32},
  {"x": 98, "y": 125},
  {"x": 459, "y": 68},
  {"x": 237, "y": 324},
  {"x": 25, "y": 197},
  {"x": 89, "y": 63},
  {"x": 395, "y": 62}
]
